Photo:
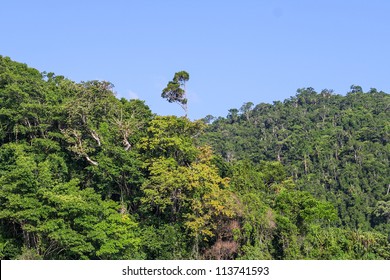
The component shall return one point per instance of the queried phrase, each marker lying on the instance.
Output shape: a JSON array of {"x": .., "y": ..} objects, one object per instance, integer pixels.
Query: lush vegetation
[{"x": 84, "y": 175}]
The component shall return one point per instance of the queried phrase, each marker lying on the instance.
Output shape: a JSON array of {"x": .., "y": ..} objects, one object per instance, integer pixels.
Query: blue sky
[{"x": 234, "y": 51}]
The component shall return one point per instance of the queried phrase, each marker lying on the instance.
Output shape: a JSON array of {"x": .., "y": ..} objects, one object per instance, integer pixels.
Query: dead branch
[{"x": 96, "y": 137}]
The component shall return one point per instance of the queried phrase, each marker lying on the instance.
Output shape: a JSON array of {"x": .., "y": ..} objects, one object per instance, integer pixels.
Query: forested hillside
[
  {"x": 334, "y": 147},
  {"x": 85, "y": 175}
]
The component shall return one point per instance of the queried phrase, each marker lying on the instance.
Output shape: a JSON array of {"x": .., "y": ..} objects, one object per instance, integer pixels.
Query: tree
[
  {"x": 175, "y": 90},
  {"x": 246, "y": 109}
]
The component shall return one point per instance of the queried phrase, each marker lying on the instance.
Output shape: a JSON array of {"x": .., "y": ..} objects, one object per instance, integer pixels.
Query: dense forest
[{"x": 85, "y": 175}]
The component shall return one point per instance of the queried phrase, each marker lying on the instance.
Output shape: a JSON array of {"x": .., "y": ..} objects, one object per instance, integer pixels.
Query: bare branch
[
  {"x": 78, "y": 145},
  {"x": 90, "y": 160},
  {"x": 96, "y": 137}
]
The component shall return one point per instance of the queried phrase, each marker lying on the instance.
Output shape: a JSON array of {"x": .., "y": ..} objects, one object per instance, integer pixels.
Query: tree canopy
[
  {"x": 175, "y": 90},
  {"x": 85, "y": 175}
]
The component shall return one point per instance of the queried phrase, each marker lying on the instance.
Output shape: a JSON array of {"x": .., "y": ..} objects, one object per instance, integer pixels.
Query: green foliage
[
  {"x": 173, "y": 137},
  {"x": 334, "y": 147},
  {"x": 183, "y": 187},
  {"x": 165, "y": 242},
  {"x": 175, "y": 90},
  {"x": 84, "y": 175},
  {"x": 58, "y": 218},
  {"x": 52, "y": 137}
]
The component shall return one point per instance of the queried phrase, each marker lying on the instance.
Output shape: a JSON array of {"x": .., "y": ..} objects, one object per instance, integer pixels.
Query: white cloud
[{"x": 132, "y": 95}]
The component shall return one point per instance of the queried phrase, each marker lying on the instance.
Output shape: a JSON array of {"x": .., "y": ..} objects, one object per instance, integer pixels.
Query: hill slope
[
  {"x": 335, "y": 147},
  {"x": 84, "y": 175}
]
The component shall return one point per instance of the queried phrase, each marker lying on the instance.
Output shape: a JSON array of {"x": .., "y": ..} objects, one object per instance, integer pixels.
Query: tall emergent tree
[{"x": 175, "y": 90}]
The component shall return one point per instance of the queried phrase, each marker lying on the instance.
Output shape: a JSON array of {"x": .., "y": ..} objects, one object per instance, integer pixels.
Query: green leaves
[
  {"x": 170, "y": 136},
  {"x": 183, "y": 186},
  {"x": 332, "y": 146},
  {"x": 175, "y": 90},
  {"x": 84, "y": 175}
]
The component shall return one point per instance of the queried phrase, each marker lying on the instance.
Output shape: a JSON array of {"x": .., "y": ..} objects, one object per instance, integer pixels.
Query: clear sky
[{"x": 235, "y": 51}]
